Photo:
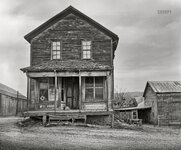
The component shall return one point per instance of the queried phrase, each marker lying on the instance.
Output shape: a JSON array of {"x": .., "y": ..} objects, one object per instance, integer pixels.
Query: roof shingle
[{"x": 68, "y": 65}]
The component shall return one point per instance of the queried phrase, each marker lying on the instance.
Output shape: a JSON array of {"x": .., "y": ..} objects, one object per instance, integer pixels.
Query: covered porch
[{"x": 69, "y": 85}]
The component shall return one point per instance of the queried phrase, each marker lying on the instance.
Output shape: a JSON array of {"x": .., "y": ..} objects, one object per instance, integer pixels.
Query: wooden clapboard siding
[
  {"x": 70, "y": 31},
  {"x": 151, "y": 100},
  {"x": 11, "y": 106},
  {"x": 165, "y": 106}
]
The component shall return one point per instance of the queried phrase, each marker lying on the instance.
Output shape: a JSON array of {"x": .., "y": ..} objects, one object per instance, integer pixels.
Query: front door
[{"x": 72, "y": 92}]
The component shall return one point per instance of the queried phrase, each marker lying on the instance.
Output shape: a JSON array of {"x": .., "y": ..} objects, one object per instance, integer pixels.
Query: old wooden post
[
  {"x": 28, "y": 92},
  {"x": 55, "y": 104},
  {"x": 112, "y": 120},
  {"x": 44, "y": 119},
  {"x": 80, "y": 90}
]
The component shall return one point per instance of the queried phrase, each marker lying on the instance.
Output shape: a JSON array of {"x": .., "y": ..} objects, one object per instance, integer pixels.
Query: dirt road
[{"x": 13, "y": 137}]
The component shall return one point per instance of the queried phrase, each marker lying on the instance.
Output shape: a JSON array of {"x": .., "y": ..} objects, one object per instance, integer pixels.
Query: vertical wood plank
[
  {"x": 36, "y": 94},
  {"x": 60, "y": 91},
  {"x": 28, "y": 92},
  {"x": 80, "y": 91},
  {"x": 112, "y": 120},
  {"x": 55, "y": 105}
]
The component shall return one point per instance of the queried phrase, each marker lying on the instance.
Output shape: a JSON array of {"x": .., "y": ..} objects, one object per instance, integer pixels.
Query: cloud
[{"x": 148, "y": 49}]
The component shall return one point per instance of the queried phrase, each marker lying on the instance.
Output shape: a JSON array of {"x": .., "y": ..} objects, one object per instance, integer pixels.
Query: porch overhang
[
  {"x": 67, "y": 74},
  {"x": 67, "y": 66}
]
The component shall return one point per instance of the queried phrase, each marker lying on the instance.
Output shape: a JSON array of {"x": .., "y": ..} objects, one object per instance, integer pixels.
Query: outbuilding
[
  {"x": 11, "y": 101},
  {"x": 164, "y": 98}
]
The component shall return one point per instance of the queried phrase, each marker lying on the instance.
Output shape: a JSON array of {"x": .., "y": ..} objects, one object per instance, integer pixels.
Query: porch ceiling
[{"x": 69, "y": 65}]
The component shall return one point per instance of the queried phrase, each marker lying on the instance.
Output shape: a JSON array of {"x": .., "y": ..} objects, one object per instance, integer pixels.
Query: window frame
[
  {"x": 94, "y": 87},
  {"x": 86, "y": 50},
  {"x": 56, "y": 50}
]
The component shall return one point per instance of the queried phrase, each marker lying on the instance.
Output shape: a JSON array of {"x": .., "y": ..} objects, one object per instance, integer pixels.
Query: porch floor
[{"x": 67, "y": 112}]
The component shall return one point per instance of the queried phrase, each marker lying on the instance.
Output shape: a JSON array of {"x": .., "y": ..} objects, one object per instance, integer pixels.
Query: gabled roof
[
  {"x": 9, "y": 91},
  {"x": 164, "y": 86},
  {"x": 68, "y": 65},
  {"x": 64, "y": 13}
]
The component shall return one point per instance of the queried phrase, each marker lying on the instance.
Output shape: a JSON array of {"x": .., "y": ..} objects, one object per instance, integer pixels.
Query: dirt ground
[{"x": 13, "y": 137}]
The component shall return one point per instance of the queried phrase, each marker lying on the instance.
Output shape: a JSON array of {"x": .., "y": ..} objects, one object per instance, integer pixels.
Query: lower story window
[{"x": 94, "y": 88}]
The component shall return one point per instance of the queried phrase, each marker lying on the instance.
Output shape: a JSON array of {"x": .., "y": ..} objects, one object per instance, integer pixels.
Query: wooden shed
[
  {"x": 139, "y": 112},
  {"x": 164, "y": 98},
  {"x": 11, "y": 101}
]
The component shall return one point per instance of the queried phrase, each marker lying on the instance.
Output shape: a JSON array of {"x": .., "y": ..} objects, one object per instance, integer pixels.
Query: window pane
[
  {"x": 54, "y": 44},
  {"x": 84, "y": 47},
  {"x": 58, "y": 43},
  {"x": 98, "y": 81},
  {"x": 83, "y": 42},
  {"x": 58, "y": 56},
  {"x": 88, "y": 47},
  {"x": 84, "y": 52},
  {"x": 54, "y": 47},
  {"x": 88, "y": 56},
  {"x": 99, "y": 93},
  {"x": 88, "y": 42},
  {"x": 89, "y": 82},
  {"x": 54, "y": 57},
  {"x": 89, "y": 94},
  {"x": 58, "y": 52},
  {"x": 58, "y": 47},
  {"x": 54, "y": 52},
  {"x": 43, "y": 85}
]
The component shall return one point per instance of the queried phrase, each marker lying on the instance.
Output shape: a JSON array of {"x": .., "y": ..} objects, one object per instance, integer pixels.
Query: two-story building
[{"x": 71, "y": 65}]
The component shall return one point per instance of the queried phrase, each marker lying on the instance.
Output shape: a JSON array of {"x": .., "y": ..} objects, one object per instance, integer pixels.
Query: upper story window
[
  {"x": 86, "y": 49},
  {"x": 56, "y": 50}
]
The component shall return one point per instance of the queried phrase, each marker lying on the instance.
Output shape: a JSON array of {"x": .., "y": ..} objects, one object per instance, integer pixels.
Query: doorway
[{"x": 72, "y": 92}]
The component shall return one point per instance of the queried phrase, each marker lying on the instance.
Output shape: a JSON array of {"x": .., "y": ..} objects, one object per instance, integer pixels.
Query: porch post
[
  {"x": 55, "y": 104},
  {"x": 109, "y": 88},
  {"x": 28, "y": 92},
  {"x": 36, "y": 95},
  {"x": 80, "y": 91}
]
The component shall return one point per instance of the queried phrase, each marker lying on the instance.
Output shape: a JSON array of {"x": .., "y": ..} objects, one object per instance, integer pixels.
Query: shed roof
[
  {"x": 164, "y": 86},
  {"x": 9, "y": 91},
  {"x": 61, "y": 15},
  {"x": 139, "y": 107},
  {"x": 68, "y": 65}
]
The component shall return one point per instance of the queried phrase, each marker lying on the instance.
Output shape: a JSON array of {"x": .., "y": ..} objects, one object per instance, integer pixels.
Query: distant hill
[{"x": 135, "y": 94}]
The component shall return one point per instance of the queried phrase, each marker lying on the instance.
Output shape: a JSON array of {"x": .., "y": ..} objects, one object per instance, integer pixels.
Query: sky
[{"x": 149, "y": 47}]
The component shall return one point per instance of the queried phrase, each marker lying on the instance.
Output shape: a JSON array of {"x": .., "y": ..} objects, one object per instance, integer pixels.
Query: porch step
[{"x": 67, "y": 117}]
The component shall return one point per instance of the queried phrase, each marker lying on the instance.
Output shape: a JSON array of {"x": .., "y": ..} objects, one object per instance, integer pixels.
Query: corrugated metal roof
[
  {"x": 140, "y": 106},
  {"x": 69, "y": 65},
  {"x": 9, "y": 91},
  {"x": 165, "y": 86}
]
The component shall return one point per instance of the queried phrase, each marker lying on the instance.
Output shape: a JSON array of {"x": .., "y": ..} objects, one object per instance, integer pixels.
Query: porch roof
[{"x": 68, "y": 65}]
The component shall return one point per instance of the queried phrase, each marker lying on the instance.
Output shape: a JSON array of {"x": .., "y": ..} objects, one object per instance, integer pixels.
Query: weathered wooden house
[
  {"x": 11, "y": 101},
  {"x": 164, "y": 97},
  {"x": 71, "y": 66}
]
